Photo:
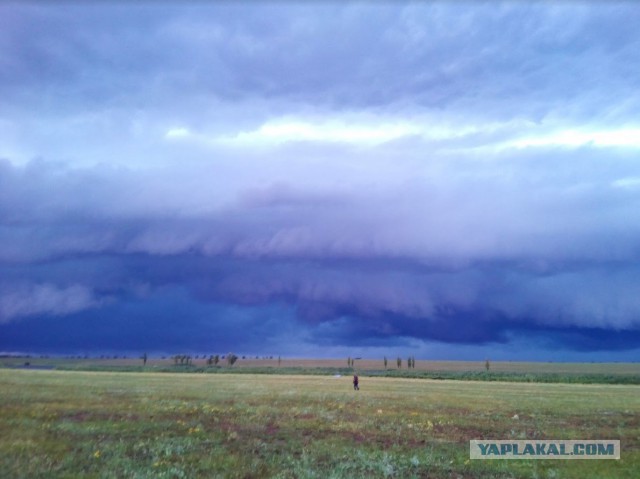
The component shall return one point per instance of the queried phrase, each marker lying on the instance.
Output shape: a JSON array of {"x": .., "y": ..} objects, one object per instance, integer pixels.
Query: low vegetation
[
  {"x": 583, "y": 373},
  {"x": 56, "y": 424}
]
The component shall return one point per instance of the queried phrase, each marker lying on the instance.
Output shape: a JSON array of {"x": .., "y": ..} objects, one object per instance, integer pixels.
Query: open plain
[{"x": 56, "y": 424}]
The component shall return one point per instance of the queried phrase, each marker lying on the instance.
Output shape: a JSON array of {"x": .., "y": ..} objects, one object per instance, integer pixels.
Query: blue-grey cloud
[{"x": 370, "y": 174}]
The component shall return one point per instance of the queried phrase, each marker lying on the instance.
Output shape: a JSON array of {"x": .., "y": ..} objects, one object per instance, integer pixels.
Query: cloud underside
[
  {"x": 363, "y": 263},
  {"x": 325, "y": 174}
]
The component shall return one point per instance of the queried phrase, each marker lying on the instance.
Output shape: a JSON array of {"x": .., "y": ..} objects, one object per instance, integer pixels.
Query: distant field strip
[
  {"x": 360, "y": 364},
  {"x": 583, "y": 373}
]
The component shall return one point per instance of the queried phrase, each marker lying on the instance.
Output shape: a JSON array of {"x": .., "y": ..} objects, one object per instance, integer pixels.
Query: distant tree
[
  {"x": 279, "y": 360},
  {"x": 231, "y": 359},
  {"x": 385, "y": 362},
  {"x": 216, "y": 360},
  {"x": 349, "y": 361},
  {"x": 486, "y": 364},
  {"x": 210, "y": 360},
  {"x": 144, "y": 359},
  {"x": 399, "y": 362}
]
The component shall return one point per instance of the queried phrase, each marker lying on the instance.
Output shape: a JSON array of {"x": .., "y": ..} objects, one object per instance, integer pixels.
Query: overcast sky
[{"x": 443, "y": 179}]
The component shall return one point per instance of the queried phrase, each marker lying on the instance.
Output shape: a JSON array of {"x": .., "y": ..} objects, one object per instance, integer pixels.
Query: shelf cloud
[{"x": 458, "y": 180}]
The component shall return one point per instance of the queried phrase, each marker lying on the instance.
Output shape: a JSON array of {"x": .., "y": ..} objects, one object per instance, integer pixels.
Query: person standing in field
[{"x": 356, "y": 387}]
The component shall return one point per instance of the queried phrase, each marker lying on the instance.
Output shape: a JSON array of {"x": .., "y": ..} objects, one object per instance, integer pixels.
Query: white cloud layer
[{"x": 27, "y": 300}]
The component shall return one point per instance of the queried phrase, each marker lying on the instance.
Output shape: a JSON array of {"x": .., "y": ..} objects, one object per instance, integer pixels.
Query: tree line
[
  {"x": 411, "y": 362},
  {"x": 212, "y": 360},
  {"x": 215, "y": 359}
]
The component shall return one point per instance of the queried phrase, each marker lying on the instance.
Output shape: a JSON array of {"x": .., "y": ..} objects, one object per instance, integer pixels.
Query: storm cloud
[{"x": 319, "y": 179}]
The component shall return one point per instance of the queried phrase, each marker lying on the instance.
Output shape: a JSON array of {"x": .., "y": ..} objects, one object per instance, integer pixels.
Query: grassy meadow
[
  {"x": 72, "y": 424},
  {"x": 550, "y": 372},
  {"x": 515, "y": 367}
]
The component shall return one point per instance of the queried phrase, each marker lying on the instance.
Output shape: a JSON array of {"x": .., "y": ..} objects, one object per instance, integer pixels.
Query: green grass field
[
  {"x": 550, "y": 372},
  {"x": 56, "y": 424},
  {"x": 361, "y": 364}
]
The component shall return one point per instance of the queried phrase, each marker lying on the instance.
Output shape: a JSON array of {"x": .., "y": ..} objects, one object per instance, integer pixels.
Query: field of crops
[
  {"x": 547, "y": 372},
  {"x": 360, "y": 364},
  {"x": 136, "y": 425}
]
